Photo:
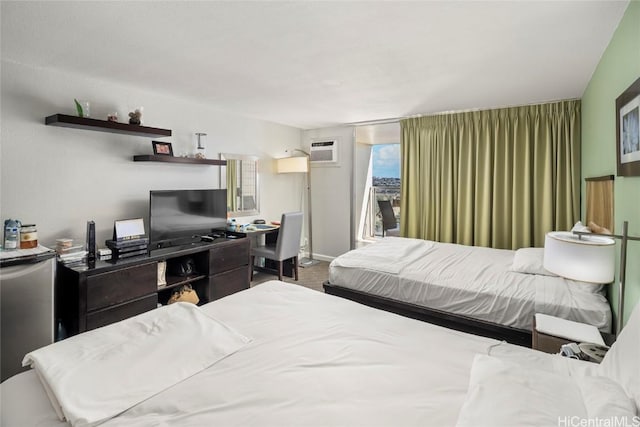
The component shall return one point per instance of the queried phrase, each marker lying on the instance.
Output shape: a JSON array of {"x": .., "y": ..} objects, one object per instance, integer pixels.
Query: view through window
[{"x": 386, "y": 179}]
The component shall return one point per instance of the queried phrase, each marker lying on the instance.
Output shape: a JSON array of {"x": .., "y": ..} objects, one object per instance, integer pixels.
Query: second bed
[{"x": 492, "y": 289}]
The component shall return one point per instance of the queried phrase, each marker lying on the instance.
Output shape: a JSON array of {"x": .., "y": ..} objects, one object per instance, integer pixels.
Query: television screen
[{"x": 179, "y": 216}]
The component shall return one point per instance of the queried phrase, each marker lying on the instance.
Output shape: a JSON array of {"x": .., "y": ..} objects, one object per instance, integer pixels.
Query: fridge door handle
[{"x": 13, "y": 272}]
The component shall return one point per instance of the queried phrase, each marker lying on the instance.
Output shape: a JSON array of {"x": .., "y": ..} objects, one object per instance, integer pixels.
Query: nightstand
[{"x": 549, "y": 333}]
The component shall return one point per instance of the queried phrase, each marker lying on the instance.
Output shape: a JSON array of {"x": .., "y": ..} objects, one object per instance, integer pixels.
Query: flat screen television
[{"x": 181, "y": 216}]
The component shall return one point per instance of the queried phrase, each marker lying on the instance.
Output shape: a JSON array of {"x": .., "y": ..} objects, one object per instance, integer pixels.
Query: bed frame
[{"x": 438, "y": 317}]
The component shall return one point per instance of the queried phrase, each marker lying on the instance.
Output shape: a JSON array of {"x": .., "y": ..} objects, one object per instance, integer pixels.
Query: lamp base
[{"x": 308, "y": 262}]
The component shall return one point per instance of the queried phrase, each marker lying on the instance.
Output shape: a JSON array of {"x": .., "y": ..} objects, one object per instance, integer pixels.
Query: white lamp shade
[
  {"x": 588, "y": 259},
  {"x": 291, "y": 165}
]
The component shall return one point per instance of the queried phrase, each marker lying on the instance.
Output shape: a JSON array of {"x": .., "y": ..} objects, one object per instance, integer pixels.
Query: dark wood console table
[{"x": 89, "y": 296}]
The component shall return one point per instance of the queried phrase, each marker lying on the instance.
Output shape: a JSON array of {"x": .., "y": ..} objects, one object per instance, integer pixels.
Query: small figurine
[
  {"x": 135, "y": 117},
  {"x": 112, "y": 117},
  {"x": 200, "y": 156}
]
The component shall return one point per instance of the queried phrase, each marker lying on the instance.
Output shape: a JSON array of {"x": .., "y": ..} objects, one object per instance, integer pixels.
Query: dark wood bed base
[{"x": 453, "y": 321}]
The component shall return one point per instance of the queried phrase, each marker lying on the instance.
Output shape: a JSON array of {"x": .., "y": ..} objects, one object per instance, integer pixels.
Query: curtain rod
[
  {"x": 376, "y": 122},
  {"x": 397, "y": 119}
]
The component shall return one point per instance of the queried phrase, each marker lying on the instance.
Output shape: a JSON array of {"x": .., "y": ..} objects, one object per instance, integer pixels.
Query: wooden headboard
[{"x": 600, "y": 201}]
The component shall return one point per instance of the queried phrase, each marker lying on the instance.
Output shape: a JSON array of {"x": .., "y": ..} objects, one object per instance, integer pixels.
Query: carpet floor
[{"x": 310, "y": 277}]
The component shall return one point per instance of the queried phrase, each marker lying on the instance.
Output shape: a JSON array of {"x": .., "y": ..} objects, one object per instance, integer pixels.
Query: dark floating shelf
[
  {"x": 171, "y": 159},
  {"x": 76, "y": 122}
]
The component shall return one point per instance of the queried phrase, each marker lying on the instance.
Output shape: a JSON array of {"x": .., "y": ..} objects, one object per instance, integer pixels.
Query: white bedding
[
  {"x": 314, "y": 360},
  {"x": 471, "y": 281},
  {"x": 94, "y": 376},
  {"x": 539, "y": 398}
]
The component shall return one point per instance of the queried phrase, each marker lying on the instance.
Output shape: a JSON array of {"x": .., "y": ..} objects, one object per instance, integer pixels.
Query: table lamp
[{"x": 589, "y": 257}]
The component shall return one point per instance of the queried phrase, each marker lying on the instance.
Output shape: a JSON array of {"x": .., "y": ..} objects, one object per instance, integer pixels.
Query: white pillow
[
  {"x": 530, "y": 261},
  {"x": 599, "y": 395},
  {"x": 622, "y": 361},
  {"x": 503, "y": 393}
]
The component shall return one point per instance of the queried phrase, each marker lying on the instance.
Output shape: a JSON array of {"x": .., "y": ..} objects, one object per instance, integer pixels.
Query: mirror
[{"x": 240, "y": 178}]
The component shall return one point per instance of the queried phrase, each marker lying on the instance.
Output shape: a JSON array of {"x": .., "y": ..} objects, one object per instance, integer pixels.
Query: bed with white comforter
[
  {"x": 504, "y": 287},
  {"x": 292, "y": 356}
]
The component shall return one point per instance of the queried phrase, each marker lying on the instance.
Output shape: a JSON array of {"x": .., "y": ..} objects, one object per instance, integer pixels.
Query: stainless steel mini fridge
[{"x": 26, "y": 308}]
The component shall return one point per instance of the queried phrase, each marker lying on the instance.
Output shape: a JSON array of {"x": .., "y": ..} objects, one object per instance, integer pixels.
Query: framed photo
[
  {"x": 162, "y": 148},
  {"x": 628, "y": 131}
]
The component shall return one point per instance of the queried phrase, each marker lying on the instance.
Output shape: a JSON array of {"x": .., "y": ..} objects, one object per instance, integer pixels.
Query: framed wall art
[
  {"x": 628, "y": 131},
  {"x": 162, "y": 148}
]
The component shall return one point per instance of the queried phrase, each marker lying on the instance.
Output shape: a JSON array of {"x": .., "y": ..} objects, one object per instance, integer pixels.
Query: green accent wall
[{"x": 619, "y": 67}]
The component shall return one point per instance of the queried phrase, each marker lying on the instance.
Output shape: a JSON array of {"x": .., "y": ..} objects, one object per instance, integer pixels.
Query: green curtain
[
  {"x": 232, "y": 185},
  {"x": 498, "y": 178}
]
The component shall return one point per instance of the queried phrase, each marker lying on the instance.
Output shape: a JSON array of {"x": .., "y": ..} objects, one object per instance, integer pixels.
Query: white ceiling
[{"x": 313, "y": 64}]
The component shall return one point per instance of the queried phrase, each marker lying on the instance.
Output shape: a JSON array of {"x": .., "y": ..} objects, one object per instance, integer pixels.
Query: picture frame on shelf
[
  {"x": 162, "y": 148},
  {"x": 628, "y": 131}
]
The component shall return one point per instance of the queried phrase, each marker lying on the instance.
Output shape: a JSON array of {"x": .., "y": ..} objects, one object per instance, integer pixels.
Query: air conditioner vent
[{"x": 324, "y": 152}]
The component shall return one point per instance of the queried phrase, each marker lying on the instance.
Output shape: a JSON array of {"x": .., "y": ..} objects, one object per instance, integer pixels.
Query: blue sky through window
[{"x": 386, "y": 160}]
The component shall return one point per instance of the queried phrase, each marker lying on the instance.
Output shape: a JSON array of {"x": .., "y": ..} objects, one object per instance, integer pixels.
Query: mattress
[
  {"x": 313, "y": 360},
  {"x": 470, "y": 281}
]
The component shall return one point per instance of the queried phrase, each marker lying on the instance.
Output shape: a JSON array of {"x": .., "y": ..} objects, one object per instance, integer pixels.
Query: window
[{"x": 385, "y": 185}]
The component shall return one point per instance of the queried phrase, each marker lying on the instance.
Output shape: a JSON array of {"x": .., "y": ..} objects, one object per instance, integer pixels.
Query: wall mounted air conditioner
[{"x": 324, "y": 152}]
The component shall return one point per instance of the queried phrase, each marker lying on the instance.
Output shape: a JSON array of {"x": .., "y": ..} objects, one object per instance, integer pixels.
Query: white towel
[{"x": 389, "y": 255}]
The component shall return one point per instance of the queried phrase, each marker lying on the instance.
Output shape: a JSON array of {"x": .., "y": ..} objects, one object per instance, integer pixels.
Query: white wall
[
  {"x": 363, "y": 177},
  {"x": 59, "y": 178},
  {"x": 331, "y": 195}
]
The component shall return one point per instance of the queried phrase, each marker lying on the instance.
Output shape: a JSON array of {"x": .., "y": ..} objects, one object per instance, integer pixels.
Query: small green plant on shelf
[{"x": 82, "y": 107}]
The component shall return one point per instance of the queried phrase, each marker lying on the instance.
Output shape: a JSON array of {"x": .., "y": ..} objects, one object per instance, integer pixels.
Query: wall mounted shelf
[
  {"x": 170, "y": 159},
  {"x": 64, "y": 120}
]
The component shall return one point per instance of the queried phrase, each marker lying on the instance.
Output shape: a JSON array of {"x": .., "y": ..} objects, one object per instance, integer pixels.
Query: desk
[
  {"x": 270, "y": 233},
  {"x": 259, "y": 229},
  {"x": 261, "y": 234}
]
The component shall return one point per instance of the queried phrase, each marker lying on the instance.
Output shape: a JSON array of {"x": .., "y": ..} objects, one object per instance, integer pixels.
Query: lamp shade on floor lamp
[{"x": 291, "y": 165}]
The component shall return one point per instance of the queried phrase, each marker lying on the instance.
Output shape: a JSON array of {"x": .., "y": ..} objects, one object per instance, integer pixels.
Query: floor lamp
[{"x": 301, "y": 165}]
